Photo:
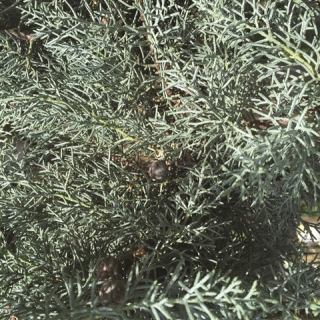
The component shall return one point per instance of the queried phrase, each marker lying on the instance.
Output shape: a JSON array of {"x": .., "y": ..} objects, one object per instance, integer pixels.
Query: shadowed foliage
[{"x": 92, "y": 92}]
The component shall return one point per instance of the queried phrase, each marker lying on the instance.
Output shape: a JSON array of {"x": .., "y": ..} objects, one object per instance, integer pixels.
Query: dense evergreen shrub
[{"x": 226, "y": 92}]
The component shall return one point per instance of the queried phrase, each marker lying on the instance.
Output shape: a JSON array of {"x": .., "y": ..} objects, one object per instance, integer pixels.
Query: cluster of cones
[{"x": 113, "y": 288}]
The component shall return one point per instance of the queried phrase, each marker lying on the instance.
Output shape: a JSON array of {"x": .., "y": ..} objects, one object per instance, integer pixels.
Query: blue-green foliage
[{"x": 228, "y": 92}]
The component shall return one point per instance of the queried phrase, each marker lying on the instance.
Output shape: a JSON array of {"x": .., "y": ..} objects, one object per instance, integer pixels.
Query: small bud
[
  {"x": 108, "y": 268},
  {"x": 112, "y": 293},
  {"x": 158, "y": 170}
]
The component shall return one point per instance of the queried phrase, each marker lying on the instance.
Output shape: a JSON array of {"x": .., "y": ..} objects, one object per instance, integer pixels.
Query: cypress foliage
[{"x": 92, "y": 92}]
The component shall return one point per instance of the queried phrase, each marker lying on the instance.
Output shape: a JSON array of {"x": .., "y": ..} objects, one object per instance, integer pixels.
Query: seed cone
[
  {"x": 158, "y": 170},
  {"x": 112, "y": 293},
  {"x": 109, "y": 268}
]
